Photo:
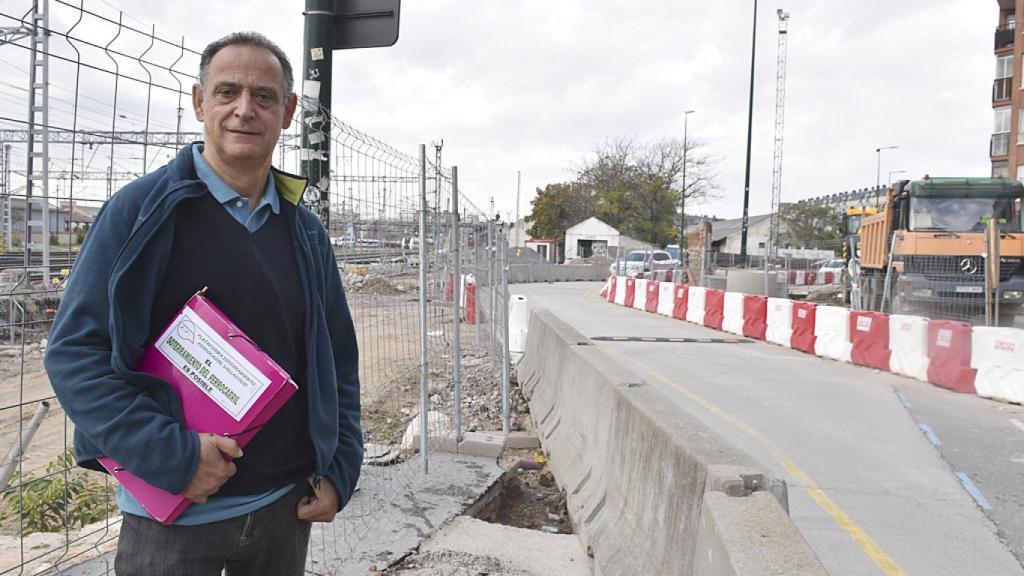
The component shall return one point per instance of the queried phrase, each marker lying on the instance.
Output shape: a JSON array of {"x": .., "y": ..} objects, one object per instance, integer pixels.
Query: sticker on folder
[{"x": 213, "y": 365}]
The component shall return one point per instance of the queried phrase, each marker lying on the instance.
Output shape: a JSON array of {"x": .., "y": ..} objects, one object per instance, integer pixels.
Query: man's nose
[{"x": 245, "y": 106}]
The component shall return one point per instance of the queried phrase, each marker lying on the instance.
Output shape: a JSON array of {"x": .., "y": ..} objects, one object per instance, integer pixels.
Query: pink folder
[{"x": 226, "y": 384}]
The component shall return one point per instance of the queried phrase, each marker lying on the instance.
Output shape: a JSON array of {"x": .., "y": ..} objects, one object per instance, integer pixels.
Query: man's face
[{"x": 243, "y": 107}]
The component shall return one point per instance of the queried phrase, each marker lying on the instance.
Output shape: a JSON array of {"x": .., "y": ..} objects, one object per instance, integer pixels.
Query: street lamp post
[
  {"x": 891, "y": 172},
  {"x": 750, "y": 130},
  {"x": 878, "y": 173},
  {"x": 682, "y": 193}
]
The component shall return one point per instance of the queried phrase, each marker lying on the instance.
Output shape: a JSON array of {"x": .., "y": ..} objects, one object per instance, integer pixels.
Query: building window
[
  {"x": 1000, "y": 169},
  {"x": 1001, "y": 132},
  {"x": 1020, "y": 173},
  {"x": 1004, "y": 66}
]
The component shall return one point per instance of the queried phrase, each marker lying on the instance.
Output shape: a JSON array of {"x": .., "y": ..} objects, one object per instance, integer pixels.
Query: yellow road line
[{"x": 856, "y": 533}]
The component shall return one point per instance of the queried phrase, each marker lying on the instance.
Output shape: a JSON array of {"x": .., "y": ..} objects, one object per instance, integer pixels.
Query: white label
[
  {"x": 944, "y": 338},
  {"x": 801, "y": 313},
  {"x": 311, "y": 89},
  {"x": 213, "y": 365},
  {"x": 863, "y": 323},
  {"x": 316, "y": 53}
]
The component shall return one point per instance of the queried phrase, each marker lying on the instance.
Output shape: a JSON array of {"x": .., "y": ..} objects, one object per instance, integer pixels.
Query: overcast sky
[{"x": 535, "y": 85}]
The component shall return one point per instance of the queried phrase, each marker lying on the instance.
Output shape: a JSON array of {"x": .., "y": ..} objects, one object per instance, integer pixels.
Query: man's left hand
[{"x": 322, "y": 505}]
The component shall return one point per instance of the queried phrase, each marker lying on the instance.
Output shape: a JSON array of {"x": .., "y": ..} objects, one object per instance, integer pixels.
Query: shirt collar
[{"x": 226, "y": 194}]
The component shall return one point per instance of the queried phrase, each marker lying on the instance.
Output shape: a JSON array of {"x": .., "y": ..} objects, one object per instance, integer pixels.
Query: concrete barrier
[
  {"x": 651, "y": 489},
  {"x": 523, "y": 273}
]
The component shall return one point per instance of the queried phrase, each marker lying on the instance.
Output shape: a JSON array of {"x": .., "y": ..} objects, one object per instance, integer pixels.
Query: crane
[{"x": 780, "y": 115}]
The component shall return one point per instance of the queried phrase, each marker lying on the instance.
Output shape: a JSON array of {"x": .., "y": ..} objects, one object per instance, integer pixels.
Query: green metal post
[{"x": 315, "y": 93}]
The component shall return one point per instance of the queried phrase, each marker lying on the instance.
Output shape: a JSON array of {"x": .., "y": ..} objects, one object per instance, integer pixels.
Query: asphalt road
[{"x": 887, "y": 475}]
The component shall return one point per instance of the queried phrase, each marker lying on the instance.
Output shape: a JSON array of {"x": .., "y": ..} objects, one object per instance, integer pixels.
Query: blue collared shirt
[
  {"x": 232, "y": 201},
  {"x": 219, "y": 508}
]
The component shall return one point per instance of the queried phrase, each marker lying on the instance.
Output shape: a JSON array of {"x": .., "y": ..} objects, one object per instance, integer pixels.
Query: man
[{"x": 217, "y": 216}]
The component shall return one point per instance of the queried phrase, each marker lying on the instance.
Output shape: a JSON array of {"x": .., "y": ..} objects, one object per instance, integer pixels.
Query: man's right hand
[{"x": 215, "y": 466}]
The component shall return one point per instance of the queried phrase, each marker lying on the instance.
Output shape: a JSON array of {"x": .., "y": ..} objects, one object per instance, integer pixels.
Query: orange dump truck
[{"x": 935, "y": 229}]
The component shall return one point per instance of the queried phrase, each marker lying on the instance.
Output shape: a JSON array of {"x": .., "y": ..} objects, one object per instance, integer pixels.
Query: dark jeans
[{"x": 271, "y": 541}]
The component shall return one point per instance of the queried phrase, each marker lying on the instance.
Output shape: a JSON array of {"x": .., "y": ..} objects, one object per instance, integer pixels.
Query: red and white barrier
[
  {"x": 609, "y": 289},
  {"x": 908, "y": 342},
  {"x": 695, "y": 304},
  {"x": 953, "y": 355},
  {"x": 640, "y": 293},
  {"x": 653, "y": 292},
  {"x": 714, "y": 308},
  {"x": 804, "y": 321},
  {"x": 732, "y": 313},
  {"x": 804, "y": 278},
  {"x": 630, "y": 292},
  {"x": 949, "y": 355},
  {"x": 780, "y": 322},
  {"x": 832, "y": 333},
  {"x": 620, "y": 290},
  {"x": 666, "y": 298},
  {"x": 998, "y": 356},
  {"x": 680, "y": 302},
  {"x": 869, "y": 339},
  {"x": 755, "y": 316}
]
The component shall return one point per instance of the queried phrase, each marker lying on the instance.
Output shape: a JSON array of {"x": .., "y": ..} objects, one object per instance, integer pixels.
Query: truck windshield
[{"x": 962, "y": 214}]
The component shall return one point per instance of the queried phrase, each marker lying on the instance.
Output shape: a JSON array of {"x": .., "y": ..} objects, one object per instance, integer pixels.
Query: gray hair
[{"x": 254, "y": 39}]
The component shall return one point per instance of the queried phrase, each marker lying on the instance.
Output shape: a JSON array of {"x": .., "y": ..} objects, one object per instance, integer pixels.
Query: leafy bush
[{"x": 63, "y": 493}]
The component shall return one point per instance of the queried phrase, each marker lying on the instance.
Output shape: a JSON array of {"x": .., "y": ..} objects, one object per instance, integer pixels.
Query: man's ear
[
  {"x": 197, "y": 101},
  {"x": 289, "y": 110}
]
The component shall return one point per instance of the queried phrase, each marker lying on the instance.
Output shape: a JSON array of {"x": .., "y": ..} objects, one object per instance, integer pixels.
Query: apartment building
[{"x": 1007, "y": 145}]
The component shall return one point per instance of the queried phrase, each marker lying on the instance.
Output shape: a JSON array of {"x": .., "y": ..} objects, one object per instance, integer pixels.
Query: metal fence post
[
  {"x": 456, "y": 299},
  {"x": 424, "y": 374},
  {"x": 506, "y": 424},
  {"x": 491, "y": 274}
]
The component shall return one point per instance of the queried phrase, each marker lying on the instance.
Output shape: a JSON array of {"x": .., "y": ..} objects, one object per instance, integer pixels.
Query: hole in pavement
[{"x": 525, "y": 498}]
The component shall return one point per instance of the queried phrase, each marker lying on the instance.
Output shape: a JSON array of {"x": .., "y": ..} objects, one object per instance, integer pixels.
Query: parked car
[
  {"x": 639, "y": 261},
  {"x": 834, "y": 265}
]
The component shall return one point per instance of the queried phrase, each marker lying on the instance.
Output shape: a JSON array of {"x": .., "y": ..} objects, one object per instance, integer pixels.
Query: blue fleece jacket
[{"x": 101, "y": 326}]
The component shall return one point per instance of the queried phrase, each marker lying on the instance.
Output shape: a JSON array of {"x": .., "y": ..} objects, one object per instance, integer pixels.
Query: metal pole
[
  {"x": 457, "y": 290},
  {"x": 682, "y": 193},
  {"x": 506, "y": 423},
  {"x": 316, "y": 110},
  {"x": 424, "y": 374},
  {"x": 519, "y": 184},
  {"x": 478, "y": 279},
  {"x": 750, "y": 130},
  {"x": 16, "y": 451},
  {"x": 491, "y": 281}
]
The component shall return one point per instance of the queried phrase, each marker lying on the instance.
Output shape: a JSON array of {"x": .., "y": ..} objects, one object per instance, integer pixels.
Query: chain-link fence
[{"x": 91, "y": 103}]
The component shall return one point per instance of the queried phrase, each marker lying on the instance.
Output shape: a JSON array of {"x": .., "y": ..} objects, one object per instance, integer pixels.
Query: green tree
[
  {"x": 638, "y": 186},
  {"x": 558, "y": 207},
  {"x": 808, "y": 225}
]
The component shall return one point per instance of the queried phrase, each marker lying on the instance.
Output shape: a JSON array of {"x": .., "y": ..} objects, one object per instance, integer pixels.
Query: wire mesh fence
[{"x": 91, "y": 101}]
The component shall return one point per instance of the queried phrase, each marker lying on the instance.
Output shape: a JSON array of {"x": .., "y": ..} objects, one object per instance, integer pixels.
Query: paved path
[{"x": 869, "y": 489}]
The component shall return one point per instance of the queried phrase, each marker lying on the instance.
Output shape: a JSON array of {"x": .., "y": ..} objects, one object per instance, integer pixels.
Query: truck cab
[{"x": 934, "y": 231}]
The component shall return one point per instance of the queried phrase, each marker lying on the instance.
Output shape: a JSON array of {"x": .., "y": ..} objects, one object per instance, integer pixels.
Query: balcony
[
  {"x": 1004, "y": 37},
  {"x": 1001, "y": 89},
  {"x": 1000, "y": 144}
]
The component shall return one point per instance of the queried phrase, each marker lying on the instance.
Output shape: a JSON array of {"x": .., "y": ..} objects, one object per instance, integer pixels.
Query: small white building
[{"x": 591, "y": 237}]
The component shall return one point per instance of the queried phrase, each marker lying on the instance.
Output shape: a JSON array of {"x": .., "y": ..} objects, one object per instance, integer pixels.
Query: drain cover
[{"x": 673, "y": 340}]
